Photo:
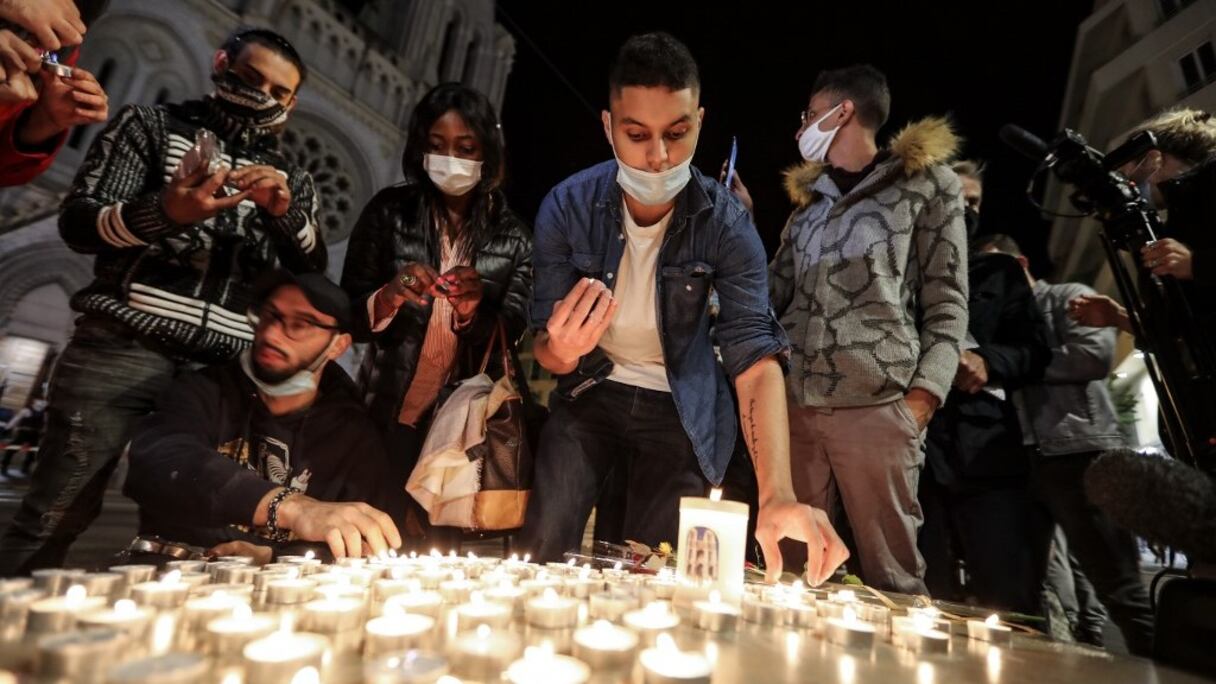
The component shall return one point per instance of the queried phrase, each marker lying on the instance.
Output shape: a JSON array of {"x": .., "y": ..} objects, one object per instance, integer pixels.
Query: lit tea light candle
[
  {"x": 331, "y": 615},
  {"x": 359, "y": 577},
  {"x": 173, "y": 668},
  {"x": 763, "y": 612},
  {"x": 542, "y": 583},
  {"x": 289, "y": 592},
  {"x": 397, "y": 631},
  {"x": 202, "y": 610},
  {"x": 582, "y": 585},
  {"x": 836, "y": 602},
  {"x": 800, "y": 615},
  {"x": 432, "y": 577},
  {"x": 169, "y": 592},
  {"x": 604, "y": 646},
  {"x": 653, "y": 620},
  {"x": 916, "y": 633},
  {"x": 56, "y": 581},
  {"x": 421, "y": 602},
  {"x": 667, "y": 664},
  {"x": 478, "y": 611},
  {"x": 228, "y": 636},
  {"x": 331, "y": 577},
  {"x": 59, "y": 613},
  {"x": 849, "y": 631},
  {"x": 264, "y": 577},
  {"x": 132, "y": 575},
  {"x": 307, "y": 564},
  {"x": 124, "y": 616},
  {"x": 234, "y": 573},
  {"x": 714, "y": 615},
  {"x": 194, "y": 580},
  {"x": 106, "y": 585},
  {"x": 616, "y": 573},
  {"x": 990, "y": 630},
  {"x": 508, "y": 595},
  {"x": 15, "y": 610},
  {"x": 15, "y": 584},
  {"x": 411, "y": 667},
  {"x": 483, "y": 654},
  {"x": 79, "y": 656},
  {"x": 277, "y": 658},
  {"x": 244, "y": 592},
  {"x": 242, "y": 560},
  {"x": 664, "y": 585},
  {"x": 711, "y": 548},
  {"x": 611, "y": 605},
  {"x": 551, "y": 611},
  {"x": 458, "y": 589},
  {"x": 383, "y": 589},
  {"x": 541, "y": 666},
  {"x": 184, "y": 566}
]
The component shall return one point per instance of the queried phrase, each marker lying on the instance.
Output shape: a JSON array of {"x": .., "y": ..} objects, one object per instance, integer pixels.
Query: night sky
[{"x": 758, "y": 61}]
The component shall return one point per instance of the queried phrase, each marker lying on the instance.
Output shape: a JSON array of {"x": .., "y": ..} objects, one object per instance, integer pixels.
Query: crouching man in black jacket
[{"x": 248, "y": 457}]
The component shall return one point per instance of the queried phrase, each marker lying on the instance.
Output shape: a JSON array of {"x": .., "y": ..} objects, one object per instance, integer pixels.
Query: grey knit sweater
[{"x": 872, "y": 285}]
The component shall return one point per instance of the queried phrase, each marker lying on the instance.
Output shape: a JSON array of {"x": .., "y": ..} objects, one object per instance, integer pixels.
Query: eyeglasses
[
  {"x": 809, "y": 115},
  {"x": 297, "y": 329}
]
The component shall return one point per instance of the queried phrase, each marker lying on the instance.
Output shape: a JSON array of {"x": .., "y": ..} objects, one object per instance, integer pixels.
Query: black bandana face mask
[{"x": 248, "y": 106}]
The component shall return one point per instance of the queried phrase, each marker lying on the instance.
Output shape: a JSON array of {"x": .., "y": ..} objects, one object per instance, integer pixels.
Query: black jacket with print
[
  {"x": 201, "y": 463},
  {"x": 182, "y": 288}
]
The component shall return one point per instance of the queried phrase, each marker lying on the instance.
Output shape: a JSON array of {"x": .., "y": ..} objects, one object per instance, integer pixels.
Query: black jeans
[
  {"x": 1108, "y": 554},
  {"x": 103, "y": 383},
  {"x": 610, "y": 427}
]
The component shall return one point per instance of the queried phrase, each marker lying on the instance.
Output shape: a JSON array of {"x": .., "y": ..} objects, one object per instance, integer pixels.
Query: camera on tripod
[{"x": 1178, "y": 354}]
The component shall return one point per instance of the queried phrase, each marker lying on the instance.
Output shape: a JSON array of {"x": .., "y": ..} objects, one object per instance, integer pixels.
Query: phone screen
[{"x": 730, "y": 164}]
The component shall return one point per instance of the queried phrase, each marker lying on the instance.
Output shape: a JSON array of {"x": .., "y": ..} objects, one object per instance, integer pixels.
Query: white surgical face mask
[
  {"x": 814, "y": 143},
  {"x": 649, "y": 187},
  {"x": 452, "y": 175},
  {"x": 301, "y": 382}
]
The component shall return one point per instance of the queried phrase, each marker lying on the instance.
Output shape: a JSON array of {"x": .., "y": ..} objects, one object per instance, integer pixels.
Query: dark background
[{"x": 985, "y": 64}]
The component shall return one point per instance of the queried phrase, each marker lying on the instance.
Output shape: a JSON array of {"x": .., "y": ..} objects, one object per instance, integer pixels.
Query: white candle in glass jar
[
  {"x": 711, "y": 548},
  {"x": 604, "y": 646},
  {"x": 540, "y": 665},
  {"x": 667, "y": 664}
]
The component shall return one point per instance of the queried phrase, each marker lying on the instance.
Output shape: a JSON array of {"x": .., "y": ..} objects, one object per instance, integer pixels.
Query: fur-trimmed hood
[{"x": 917, "y": 147}]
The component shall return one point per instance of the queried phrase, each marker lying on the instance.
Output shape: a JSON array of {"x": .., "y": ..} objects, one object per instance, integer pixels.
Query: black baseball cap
[{"x": 321, "y": 292}]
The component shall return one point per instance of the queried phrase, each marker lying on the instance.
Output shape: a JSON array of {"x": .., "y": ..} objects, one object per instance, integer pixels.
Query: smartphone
[{"x": 730, "y": 163}]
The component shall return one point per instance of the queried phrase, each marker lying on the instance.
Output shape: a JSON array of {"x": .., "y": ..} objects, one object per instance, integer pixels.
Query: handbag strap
[{"x": 485, "y": 359}]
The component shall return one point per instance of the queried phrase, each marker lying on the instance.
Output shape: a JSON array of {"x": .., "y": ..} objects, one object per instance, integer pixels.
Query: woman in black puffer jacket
[{"x": 435, "y": 263}]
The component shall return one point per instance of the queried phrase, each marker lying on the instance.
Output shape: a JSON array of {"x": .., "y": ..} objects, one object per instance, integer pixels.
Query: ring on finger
[{"x": 408, "y": 279}]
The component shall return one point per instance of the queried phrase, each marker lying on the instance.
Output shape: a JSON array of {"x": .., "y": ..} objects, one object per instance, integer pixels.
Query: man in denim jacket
[{"x": 626, "y": 253}]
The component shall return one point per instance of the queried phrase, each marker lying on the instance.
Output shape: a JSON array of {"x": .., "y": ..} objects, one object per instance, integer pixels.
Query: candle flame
[
  {"x": 124, "y": 608},
  {"x": 715, "y": 494},
  {"x": 75, "y": 595},
  {"x": 585, "y": 574},
  {"x": 656, "y": 608},
  {"x": 514, "y": 558},
  {"x": 922, "y": 622},
  {"x": 413, "y": 555},
  {"x": 587, "y": 567},
  {"x": 309, "y": 555},
  {"x": 992, "y": 620},
  {"x": 618, "y": 566},
  {"x": 171, "y": 577},
  {"x": 242, "y": 612},
  {"x": 715, "y": 597},
  {"x": 850, "y": 615},
  {"x": 550, "y": 595},
  {"x": 476, "y": 597},
  {"x": 483, "y": 632},
  {"x": 288, "y": 624},
  {"x": 162, "y": 633},
  {"x": 307, "y": 675},
  {"x": 527, "y": 558},
  {"x": 472, "y": 556},
  {"x": 452, "y": 553},
  {"x": 571, "y": 562},
  {"x": 602, "y": 626},
  {"x": 293, "y": 573},
  {"x": 391, "y": 553},
  {"x": 845, "y": 596},
  {"x": 666, "y": 643},
  {"x": 397, "y": 572},
  {"x": 458, "y": 575}
]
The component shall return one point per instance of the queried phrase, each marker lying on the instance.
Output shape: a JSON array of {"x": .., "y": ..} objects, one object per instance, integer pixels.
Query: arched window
[
  {"x": 470, "y": 61},
  {"x": 448, "y": 52}
]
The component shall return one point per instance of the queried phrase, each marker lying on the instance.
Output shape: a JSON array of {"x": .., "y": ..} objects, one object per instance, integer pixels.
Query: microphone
[
  {"x": 1024, "y": 142},
  {"x": 1158, "y": 498}
]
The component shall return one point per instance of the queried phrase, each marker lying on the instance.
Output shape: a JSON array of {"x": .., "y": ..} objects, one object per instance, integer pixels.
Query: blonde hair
[{"x": 1188, "y": 134}]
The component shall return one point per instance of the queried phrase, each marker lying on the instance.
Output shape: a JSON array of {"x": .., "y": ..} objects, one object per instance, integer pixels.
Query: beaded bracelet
[{"x": 272, "y": 515}]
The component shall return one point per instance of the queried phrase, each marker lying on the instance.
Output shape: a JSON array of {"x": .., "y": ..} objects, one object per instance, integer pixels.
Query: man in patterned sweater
[
  {"x": 870, "y": 280},
  {"x": 177, "y": 249}
]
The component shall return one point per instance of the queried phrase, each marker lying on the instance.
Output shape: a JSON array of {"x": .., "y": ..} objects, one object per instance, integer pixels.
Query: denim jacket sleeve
[
  {"x": 747, "y": 328},
  {"x": 554, "y": 275}
]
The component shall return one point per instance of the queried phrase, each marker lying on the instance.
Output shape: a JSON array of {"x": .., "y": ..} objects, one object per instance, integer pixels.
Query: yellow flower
[{"x": 665, "y": 548}]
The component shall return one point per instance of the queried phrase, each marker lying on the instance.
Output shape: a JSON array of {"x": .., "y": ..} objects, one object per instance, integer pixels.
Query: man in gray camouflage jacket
[{"x": 870, "y": 281}]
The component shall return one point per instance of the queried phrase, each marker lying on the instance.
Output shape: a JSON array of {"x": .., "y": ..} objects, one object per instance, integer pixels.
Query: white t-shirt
[{"x": 632, "y": 339}]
